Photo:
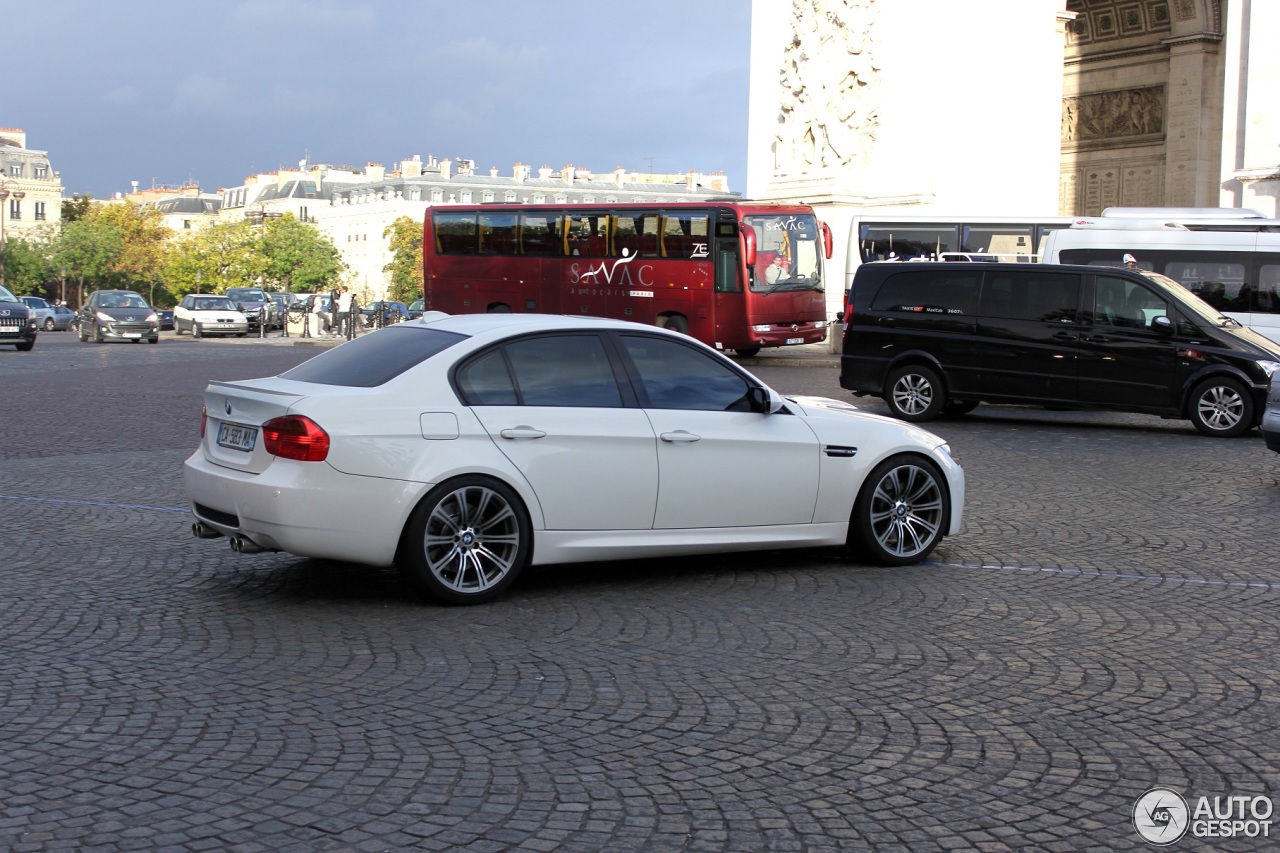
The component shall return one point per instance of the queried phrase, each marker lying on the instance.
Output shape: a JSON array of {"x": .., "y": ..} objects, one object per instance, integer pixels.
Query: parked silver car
[{"x": 43, "y": 310}]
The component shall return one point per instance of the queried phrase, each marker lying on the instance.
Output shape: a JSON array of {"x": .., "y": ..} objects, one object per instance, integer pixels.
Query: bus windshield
[{"x": 788, "y": 253}]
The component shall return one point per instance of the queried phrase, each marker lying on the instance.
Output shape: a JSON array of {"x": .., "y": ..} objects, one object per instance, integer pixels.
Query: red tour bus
[{"x": 735, "y": 275}]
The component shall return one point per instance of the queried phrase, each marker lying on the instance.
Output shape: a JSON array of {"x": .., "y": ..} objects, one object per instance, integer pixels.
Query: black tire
[
  {"x": 195, "y": 330},
  {"x": 24, "y": 346},
  {"x": 177, "y": 328},
  {"x": 48, "y": 324},
  {"x": 467, "y": 541},
  {"x": 97, "y": 334},
  {"x": 1222, "y": 406},
  {"x": 747, "y": 352},
  {"x": 81, "y": 333},
  {"x": 499, "y": 309},
  {"x": 958, "y": 409},
  {"x": 914, "y": 393},
  {"x": 154, "y": 340},
  {"x": 901, "y": 513},
  {"x": 677, "y": 323}
]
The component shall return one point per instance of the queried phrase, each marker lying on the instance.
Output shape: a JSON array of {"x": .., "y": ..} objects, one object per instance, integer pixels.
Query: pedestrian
[
  {"x": 345, "y": 329},
  {"x": 333, "y": 308},
  {"x": 322, "y": 320}
]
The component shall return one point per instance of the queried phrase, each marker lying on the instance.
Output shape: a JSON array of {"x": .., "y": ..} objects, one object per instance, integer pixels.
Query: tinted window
[
  {"x": 486, "y": 381},
  {"x": 1218, "y": 283},
  {"x": 563, "y": 370},
  {"x": 686, "y": 234},
  {"x": 540, "y": 234},
  {"x": 1266, "y": 299},
  {"x": 497, "y": 233},
  {"x": 1125, "y": 304},
  {"x": 1045, "y": 297},
  {"x": 455, "y": 233},
  {"x": 929, "y": 292},
  {"x": 373, "y": 359},
  {"x": 675, "y": 376}
]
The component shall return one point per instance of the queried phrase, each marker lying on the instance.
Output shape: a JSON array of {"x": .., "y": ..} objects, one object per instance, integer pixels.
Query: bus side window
[
  {"x": 1266, "y": 299},
  {"x": 539, "y": 235},
  {"x": 456, "y": 234}
]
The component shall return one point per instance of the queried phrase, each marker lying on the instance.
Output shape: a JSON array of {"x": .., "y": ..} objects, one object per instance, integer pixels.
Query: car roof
[{"x": 481, "y": 324}]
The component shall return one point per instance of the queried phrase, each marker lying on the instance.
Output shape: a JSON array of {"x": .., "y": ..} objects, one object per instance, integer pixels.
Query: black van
[{"x": 936, "y": 339}]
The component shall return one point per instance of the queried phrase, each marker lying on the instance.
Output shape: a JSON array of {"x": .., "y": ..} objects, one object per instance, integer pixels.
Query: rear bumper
[{"x": 305, "y": 508}]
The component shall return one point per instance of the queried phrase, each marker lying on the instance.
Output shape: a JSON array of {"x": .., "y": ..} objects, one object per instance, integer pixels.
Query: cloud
[{"x": 124, "y": 96}]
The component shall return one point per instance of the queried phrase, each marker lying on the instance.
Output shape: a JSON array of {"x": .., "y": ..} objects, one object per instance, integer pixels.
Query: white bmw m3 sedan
[{"x": 463, "y": 448}]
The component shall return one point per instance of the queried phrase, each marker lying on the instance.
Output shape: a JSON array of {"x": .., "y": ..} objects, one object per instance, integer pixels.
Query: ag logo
[{"x": 1161, "y": 816}]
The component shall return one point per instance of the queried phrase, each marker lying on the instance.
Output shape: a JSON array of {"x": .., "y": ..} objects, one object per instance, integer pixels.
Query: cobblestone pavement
[{"x": 1106, "y": 623}]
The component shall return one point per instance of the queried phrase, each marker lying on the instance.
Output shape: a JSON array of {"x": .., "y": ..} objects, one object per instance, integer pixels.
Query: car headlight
[
  {"x": 106, "y": 318},
  {"x": 1268, "y": 367},
  {"x": 153, "y": 318}
]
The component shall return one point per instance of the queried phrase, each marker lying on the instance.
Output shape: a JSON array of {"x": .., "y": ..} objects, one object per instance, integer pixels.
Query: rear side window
[
  {"x": 923, "y": 291},
  {"x": 551, "y": 370},
  {"x": 375, "y": 359},
  {"x": 1038, "y": 296}
]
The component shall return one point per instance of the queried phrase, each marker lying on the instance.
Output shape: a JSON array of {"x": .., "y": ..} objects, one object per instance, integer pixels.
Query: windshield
[
  {"x": 245, "y": 294},
  {"x": 6, "y": 296},
  {"x": 121, "y": 300},
  {"x": 788, "y": 252},
  {"x": 214, "y": 303}
]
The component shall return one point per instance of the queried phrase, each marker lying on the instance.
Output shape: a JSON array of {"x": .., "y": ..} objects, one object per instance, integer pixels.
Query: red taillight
[{"x": 295, "y": 437}]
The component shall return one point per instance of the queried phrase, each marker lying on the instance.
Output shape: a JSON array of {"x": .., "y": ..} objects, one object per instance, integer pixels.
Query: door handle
[
  {"x": 522, "y": 432},
  {"x": 680, "y": 437},
  {"x": 1065, "y": 336}
]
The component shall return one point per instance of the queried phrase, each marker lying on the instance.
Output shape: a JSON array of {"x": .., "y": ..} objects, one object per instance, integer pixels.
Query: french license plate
[
  {"x": 795, "y": 341},
  {"x": 133, "y": 334},
  {"x": 10, "y": 330},
  {"x": 237, "y": 437}
]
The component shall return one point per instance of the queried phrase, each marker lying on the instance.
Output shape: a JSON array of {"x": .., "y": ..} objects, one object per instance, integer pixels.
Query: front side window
[
  {"x": 672, "y": 375},
  {"x": 789, "y": 250},
  {"x": 1121, "y": 303}
]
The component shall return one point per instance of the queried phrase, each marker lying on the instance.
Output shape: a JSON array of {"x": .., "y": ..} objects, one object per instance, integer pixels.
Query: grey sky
[{"x": 210, "y": 92}]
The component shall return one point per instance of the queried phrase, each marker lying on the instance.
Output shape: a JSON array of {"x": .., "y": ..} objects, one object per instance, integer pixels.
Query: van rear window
[{"x": 929, "y": 292}]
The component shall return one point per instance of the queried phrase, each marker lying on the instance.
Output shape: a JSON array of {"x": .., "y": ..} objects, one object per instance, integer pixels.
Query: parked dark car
[
  {"x": 937, "y": 339},
  {"x": 392, "y": 312},
  {"x": 417, "y": 308},
  {"x": 256, "y": 305},
  {"x": 121, "y": 315},
  {"x": 165, "y": 318},
  {"x": 17, "y": 322}
]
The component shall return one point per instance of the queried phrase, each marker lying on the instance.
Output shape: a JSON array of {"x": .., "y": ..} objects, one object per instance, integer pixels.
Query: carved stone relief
[
  {"x": 829, "y": 79},
  {"x": 1113, "y": 115}
]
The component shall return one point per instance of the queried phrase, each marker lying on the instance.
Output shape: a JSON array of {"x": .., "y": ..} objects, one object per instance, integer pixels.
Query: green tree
[
  {"x": 297, "y": 257},
  {"x": 75, "y": 207},
  {"x": 210, "y": 260},
  {"x": 26, "y": 266},
  {"x": 143, "y": 236},
  {"x": 406, "y": 260},
  {"x": 87, "y": 250}
]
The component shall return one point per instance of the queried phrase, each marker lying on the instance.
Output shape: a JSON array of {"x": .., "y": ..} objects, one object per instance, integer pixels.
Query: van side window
[
  {"x": 1218, "y": 283},
  {"x": 1043, "y": 297},
  {"x": 929, "y": 292},
  {"x": 1266, "y": 299},
  {"x": 1122, "y": 303}
]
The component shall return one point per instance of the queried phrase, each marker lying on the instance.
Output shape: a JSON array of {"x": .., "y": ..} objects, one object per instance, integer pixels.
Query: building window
[
  {"x": 15, "y": 208},
  {"x": 39, "y": 211},
  {"x": 466, "y": 197},
  {"x": 561, "y": 198},
  {"x": 510, "y": 195},
  {"x": 302, "y": 214},
  {"x": 539, "y": 198},
  {"x": 488, "y": 196},
  {"x": 15, "y": 170},
  {"x": 437, "y": 195},
  {"x": 186, "y": 225},
  {"x": 42, "y": 171}
]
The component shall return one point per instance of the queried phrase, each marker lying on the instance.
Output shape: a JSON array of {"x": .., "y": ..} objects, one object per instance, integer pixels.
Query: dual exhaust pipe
[{"x": 239, "y": 544}]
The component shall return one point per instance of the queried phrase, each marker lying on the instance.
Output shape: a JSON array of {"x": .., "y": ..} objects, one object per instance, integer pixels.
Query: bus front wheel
[
  {"x": 499, "y": 309},
  {"x": 676, "y": 323}
]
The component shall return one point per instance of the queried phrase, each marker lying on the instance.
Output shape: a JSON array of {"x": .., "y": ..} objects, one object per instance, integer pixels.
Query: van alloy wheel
[
  {"x": 914, "y": 393},
  {"x": 1221, "y": 406}
]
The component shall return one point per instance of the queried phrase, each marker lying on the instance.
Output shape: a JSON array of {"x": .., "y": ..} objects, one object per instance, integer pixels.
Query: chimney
[
  {"x": 412, "y": 168},
  {"x": 544, "y": 173},
  {"x": 493, "y": 171},
  {"x": 520, "y": 172},
  {"x": 691, "y": 180},
  {"x": 375, "y": 171},
  {"x": 619, "y": 176},
  {"x": 567, "y": 173},
  {"x": 446, "y": 166}
]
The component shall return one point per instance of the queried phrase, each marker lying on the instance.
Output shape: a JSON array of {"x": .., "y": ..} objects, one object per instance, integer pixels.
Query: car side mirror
[
  {"x": 763, "y": 400},
  {"x": 1162, "y": 324}
]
